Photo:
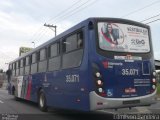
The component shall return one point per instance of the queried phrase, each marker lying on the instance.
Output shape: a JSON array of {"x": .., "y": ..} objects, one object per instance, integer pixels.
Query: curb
[{"x": 158, "y": 99}]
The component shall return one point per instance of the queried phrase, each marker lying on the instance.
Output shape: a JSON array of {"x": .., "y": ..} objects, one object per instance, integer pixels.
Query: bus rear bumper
[{"x": 97, "y": 102}]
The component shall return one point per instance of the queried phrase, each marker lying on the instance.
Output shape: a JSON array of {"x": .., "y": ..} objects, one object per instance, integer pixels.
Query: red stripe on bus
[{"x": 28, "y": 96}]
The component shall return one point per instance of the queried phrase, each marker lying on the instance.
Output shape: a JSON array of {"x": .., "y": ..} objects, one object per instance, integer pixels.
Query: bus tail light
[
  {"x": 154, "y": 80},
  {"x": 100, "y": 90},
  {"x": 98, "y": 75},
  {"x": 99, "y": 84},
  {"x": 153, "y": 87},
  {"x": 154, "y": 74},
  {"x": 98, "y": 80}
]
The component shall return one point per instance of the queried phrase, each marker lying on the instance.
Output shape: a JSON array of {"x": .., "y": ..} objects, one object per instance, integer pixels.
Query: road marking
[{"x": 1, "y": 101}]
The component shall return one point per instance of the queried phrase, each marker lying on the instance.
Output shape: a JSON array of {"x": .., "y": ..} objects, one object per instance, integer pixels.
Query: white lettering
[
  {"x": 72, "y": 78},
  {"x": 129, "y": 72}
]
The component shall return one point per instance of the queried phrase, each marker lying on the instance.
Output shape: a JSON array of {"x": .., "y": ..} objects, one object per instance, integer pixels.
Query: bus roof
[{"x": 72, "y": 29}]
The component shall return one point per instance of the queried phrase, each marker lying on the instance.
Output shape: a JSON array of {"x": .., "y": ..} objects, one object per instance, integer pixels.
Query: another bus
[{"x": 99, "y": 63}]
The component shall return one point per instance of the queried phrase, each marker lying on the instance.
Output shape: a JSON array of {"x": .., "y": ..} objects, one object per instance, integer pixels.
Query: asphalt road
[
  {"x": 26, "y": 110},
  {"x": 10, "y": 109}
]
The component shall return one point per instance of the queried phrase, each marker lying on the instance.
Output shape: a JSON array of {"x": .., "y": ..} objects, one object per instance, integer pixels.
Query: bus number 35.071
[
  {"x": 72, "y": 78},
  {"x": 129, "y": 71}
]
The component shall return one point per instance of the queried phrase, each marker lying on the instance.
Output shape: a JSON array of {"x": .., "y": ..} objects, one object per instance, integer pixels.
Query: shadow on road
[
  {"x": 59, "y": 114},
  {"x": 68, "y": 115},
  {"x": 79, "y": 115}
]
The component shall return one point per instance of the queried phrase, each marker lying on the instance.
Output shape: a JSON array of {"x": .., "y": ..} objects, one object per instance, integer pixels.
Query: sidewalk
[
  {"x": 4, "y": 86},
  {"x": 158, "y": 97}
]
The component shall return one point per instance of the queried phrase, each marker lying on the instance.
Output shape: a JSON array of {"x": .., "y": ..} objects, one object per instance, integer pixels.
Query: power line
[
  {"x": 77, "y": 10},
  {"x": 81, "y": 5},
  {"x": 41, "y": 34},
  {"x": 152, "y": 21},
  {"x": 135, "y": 11},
  {"x": 37, "y": 33},
  {"x": 64, "y": 11},
  {"x": 150, "y": 18}
]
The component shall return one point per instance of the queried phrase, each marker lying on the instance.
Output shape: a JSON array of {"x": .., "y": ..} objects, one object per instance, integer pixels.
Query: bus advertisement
[{"x": 99, "y": 63}]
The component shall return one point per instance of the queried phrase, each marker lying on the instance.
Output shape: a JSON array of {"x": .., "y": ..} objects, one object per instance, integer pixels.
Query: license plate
[{"x": 131, "y": 102}]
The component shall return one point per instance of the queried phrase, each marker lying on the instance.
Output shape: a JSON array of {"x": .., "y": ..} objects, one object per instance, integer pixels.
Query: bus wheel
[{"x": 42, "y": 101}]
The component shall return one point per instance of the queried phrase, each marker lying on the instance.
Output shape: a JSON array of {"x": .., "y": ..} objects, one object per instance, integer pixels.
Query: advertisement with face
[{"x": 123, "y": 37}]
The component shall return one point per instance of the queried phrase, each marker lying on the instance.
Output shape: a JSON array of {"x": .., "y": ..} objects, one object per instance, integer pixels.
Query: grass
[{"x": 158, "y": 88}]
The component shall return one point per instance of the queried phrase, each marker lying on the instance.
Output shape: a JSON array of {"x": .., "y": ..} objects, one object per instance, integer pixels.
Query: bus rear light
[
  {"x": 99, "y": 82},
  {"x": 98, "y": 79},
  {"x": 154, "y": 74},
  {"x": 154, "y": 87},
  {"x": 100, "y": 90},
  {"x": 98, "y": 74},
  {"x": 154, "y": 80}
]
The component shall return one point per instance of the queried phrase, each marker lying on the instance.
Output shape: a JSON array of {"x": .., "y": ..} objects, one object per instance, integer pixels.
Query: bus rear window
[{"x": 123, "y": 37}]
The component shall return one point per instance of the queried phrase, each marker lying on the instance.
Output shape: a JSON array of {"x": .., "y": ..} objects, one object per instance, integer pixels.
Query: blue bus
[{"x": 99, "y": 63}]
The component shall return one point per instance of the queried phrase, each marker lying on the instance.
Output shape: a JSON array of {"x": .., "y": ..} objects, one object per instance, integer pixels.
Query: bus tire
[
  {"x": 16, "y": 98},
  {"x": 42, "y": 102}
]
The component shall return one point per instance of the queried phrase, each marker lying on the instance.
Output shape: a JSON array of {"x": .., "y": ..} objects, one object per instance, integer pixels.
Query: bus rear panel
[{"x": 123, "y": 67}]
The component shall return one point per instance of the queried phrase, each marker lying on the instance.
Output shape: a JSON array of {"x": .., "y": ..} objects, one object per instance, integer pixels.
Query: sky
[{"x": 22, "y": 21}]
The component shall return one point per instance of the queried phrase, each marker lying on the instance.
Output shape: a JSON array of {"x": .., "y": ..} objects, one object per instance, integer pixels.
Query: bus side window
[
  {"x": 33, "y": 58},
  {"x": 64, "y": 46},
  {"x": 27, "y": 65},
  {"x": 43, "y": 54},
  {"x": 54, "y": 62},
  {"x": 72, "y": 51},
  {"x": 42, "y": 65},
  {"x": 38, "y": 56},
  {"x": 33, "y": 63},
  {"x": 70, "y": 43},
  {"x": 27, "y": 61},
  {"x": 54, "y": 50},
  {"x": 17, "y": 67},
  {"x": 13, "y": 69},
  {"x": 21, "y": 66}
]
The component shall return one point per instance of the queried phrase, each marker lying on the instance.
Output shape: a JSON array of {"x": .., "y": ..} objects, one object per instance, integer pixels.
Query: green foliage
[{"x": 158, "y": 88}]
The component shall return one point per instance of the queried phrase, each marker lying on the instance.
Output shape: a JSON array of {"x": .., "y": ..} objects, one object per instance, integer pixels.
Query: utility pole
[{"x": 51, "y": 26}]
